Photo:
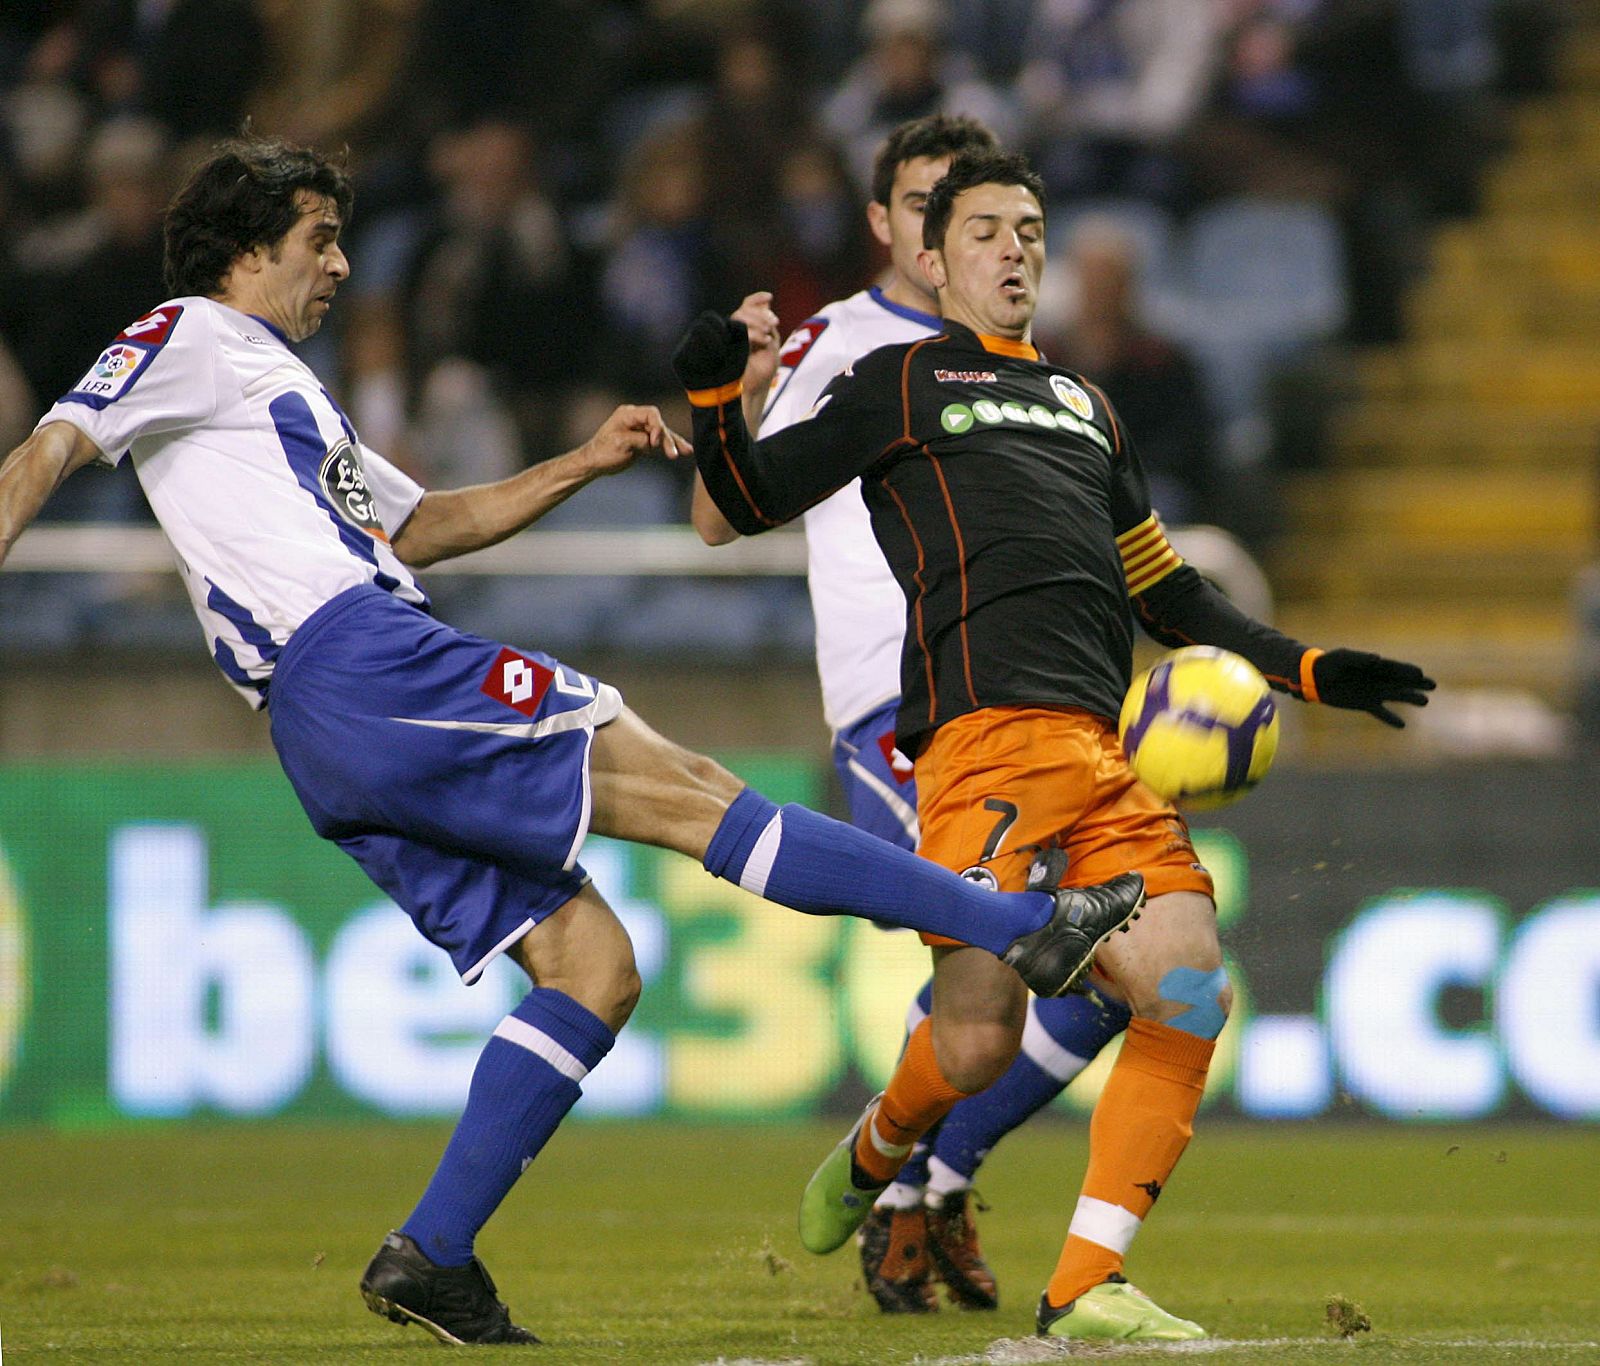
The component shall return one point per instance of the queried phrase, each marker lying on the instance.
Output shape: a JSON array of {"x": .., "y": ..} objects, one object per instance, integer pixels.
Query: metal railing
[{"x": 95, "y": 548}]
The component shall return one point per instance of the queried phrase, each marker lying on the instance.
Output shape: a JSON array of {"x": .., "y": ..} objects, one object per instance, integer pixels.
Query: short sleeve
[
  {"x": 395, "y": 494},
  {"x": 158, "y": 375},
  {"x": 804, "y": 369}
]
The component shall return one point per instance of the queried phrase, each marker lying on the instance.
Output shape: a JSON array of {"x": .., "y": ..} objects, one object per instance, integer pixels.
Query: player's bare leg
[
  {"x": 979, "y": 1007},
  {"x": 583, "y": 951},
  {"x": 1168, "y": 968},
  {"x": 645, "y": 788},
  {"x": 650, "y": 790},
  {"x": 585, "y": 986}
]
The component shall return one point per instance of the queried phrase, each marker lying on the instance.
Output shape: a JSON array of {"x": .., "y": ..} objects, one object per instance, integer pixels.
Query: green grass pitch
[{"x": 667, "y": 1244}]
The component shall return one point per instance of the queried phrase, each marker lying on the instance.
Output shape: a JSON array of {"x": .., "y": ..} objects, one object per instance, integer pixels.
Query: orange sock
[
  {"x": 1140, "y": 1127},
  {"x": 918, "y": 1096}
]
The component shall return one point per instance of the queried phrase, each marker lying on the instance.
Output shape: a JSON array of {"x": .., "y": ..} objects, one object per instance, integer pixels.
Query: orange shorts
[{"x": 996, "y": 785}]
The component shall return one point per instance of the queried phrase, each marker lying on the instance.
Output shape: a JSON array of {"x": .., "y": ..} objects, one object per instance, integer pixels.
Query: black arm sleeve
[
  {"x": 758, "y": 485},
  {"x": 1184, "y": 609}
]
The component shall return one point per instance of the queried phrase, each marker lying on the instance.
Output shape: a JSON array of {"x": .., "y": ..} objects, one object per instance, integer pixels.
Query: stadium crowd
[{"x": 547, "y": 194}]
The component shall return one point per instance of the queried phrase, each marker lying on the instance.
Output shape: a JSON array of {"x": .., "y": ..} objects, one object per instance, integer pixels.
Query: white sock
[
  {"x": 943, "y": 1180},
  {"x": 898, "y": 1196}
]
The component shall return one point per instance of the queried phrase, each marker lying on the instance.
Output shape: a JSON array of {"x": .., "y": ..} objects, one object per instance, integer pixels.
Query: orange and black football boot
[{"x": 894, "y": 1261}]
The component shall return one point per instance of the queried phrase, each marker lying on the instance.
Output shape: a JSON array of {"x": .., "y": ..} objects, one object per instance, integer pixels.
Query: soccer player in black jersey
[{"x": 1011, "y": 506}]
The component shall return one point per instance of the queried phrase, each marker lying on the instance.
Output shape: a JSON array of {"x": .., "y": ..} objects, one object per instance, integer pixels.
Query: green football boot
[
  {"x": 833, "y": 1206},
  {"x": 1114, "y": 1311}
]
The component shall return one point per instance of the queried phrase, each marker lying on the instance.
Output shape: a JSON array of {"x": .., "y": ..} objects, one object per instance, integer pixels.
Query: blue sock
[
  {"x": 813, "y": 864},
  {"x": 525, "y": 1082},
  {"x": 1062, "y": 1036}
]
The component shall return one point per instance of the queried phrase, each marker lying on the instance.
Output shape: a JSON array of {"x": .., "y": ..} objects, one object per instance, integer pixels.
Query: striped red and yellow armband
[{"x": 1147, "y": 555}]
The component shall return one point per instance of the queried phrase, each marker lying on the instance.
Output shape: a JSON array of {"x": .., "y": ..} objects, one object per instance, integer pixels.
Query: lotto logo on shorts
[{"x": 519, "y": 683}]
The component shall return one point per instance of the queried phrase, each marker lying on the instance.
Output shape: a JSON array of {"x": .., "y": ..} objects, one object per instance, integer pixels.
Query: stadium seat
[
  {"x": 1263, "y": 279},
  {"x": 1154, "y": 234}
]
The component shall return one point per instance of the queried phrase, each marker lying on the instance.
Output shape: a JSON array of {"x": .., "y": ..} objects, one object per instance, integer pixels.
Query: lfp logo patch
[
  {"x": 519, "y": 682},
  {"x": 128, "y": 357},
  {"x": 117, "y": 361}
]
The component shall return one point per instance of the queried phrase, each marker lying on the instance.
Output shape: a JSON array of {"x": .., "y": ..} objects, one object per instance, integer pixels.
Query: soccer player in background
[
  {"x": 1012, "y": 509},
  {"x": 462, "y": 775},
  {"x": 922, "y": 1226}
]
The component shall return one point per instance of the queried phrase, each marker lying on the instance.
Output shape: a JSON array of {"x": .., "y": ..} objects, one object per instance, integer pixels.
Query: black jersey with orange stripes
[{"x": 1011, "y": 506}]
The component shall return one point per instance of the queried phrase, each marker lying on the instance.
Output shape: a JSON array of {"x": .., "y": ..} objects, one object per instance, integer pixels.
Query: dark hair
[
  {"x": 243, "y": 196},
  {"x": 936, "y": 135},
  {"x": 966, "y": 173}
]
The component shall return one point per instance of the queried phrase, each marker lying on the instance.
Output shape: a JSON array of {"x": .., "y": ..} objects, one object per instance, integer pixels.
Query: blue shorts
[
  {"x": 454, "y": 770},
  {"x": 878, "y": 781}
]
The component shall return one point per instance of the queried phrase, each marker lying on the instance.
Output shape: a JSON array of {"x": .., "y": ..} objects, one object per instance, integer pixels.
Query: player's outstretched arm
[
  {"x": 1181, "y": 608},
  {"x": 761, "y": 324},
  {"x": 455, "y": 521},
  {"x": 34, "y": 471},
  {"x": 760, "y": 485}
]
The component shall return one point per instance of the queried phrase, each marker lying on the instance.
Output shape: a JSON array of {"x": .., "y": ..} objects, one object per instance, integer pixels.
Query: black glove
[
  {"x": 713, "y": 352},
  {"x": 1364, "y": 681}
]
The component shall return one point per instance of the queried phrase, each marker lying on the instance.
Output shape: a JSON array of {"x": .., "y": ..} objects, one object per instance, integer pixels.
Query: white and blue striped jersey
[
  {"x": 859, "y": 609},
  {"x": 270, "y": 502}
]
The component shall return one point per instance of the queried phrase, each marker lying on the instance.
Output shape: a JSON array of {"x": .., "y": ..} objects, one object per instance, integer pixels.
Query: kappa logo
[
  {"x": 899, "y": 765},
  {"x": 801, "y": 340},
  {"x": 518, "y": 682},
  {"x": 1072, "y": 396},
  {"x": 966, "y": 377}
]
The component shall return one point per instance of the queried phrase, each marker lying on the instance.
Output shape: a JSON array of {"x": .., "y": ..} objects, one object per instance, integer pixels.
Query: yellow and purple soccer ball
[{"x": 1199, "y": 727}]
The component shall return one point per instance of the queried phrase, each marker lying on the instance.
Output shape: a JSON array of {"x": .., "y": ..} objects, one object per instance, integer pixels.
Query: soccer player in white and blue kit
[
  {"x": 461, "y": 774},
  {"x": 922, "y": 1227}
]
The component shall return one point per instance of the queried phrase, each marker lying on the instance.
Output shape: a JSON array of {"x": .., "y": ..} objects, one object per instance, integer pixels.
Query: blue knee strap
[{"x": 1199, "y": 991}]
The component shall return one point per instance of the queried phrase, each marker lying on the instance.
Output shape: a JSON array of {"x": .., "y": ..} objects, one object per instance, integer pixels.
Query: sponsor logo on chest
[
  {"x": 344, "y": 482},
  {"x": 1072, "y": 416}
]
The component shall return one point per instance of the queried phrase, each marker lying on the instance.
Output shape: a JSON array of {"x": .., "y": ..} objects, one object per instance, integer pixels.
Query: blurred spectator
[
  {"x": 1154, "y": 384},
  {"x": 994, "y": 33},
  {"x": 908, "y": 70},
  {"x": 553, "y": 65},
  {"x": 22, "y": 24},
  {"x": 665, "y": 264},
  {"x": 1109, "y": 86},
  {"x": 96, "y": 271},
  {"x": 824, "y": 251},
  {"x": 750, "y": 122},
  {"x": 1264, "y": 129},
  {"x": 332, "y": 66},
  {"x": 44, "y": 119},
  {"x": 190, "y": 64},
  {"x": 472, "y": 308},
  {"x": 1451, "y": 64}
]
